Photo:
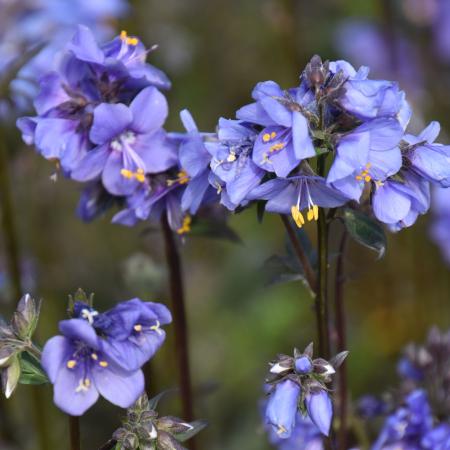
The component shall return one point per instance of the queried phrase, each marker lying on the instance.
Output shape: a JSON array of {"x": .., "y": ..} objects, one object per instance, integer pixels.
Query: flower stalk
[
  {"x": 341, "y": 342},
  {"x": 179, "y": 319},
  {"x": 74, "y": 432}
]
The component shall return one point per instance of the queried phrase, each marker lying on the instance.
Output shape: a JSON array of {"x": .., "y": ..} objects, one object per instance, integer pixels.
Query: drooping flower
[
  {"x": 298, "y": 385},
  {"x": 282, "y": 407},
  {"x": 298, "y": 193},
  {"x": 80, "y": 370}
]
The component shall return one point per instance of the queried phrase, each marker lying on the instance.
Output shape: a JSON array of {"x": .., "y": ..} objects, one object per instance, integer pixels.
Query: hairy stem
[
  {"x": 301, "y": 255},
  {"x": 179, "y": 319},
  {"x": 341, "y": 342},
  {"x": 74, "y": 432}
]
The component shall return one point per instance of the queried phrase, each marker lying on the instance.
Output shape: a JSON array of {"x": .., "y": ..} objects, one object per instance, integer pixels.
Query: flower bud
[
  {"x": 320, "y": 410},
  {"x": 173, "y": 425},
  {"x": 25, "y": 318},
  {"x": 303, "y": 365},
  {"x": 282, "y": 407},
  {"x": 10, "y": 376},
  {"x": 167, "y": 442}
]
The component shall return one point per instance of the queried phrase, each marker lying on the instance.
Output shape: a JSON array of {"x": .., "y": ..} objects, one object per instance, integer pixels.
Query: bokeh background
[{"x": 215, "y": 51}]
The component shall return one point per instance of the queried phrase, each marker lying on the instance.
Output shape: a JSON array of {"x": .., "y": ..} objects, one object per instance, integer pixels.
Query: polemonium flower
[
  {"x": 399, "y": 203},
  {"x": 304, "y": 436},
  {"x": 320, "y": 409},
  {"x": 285, "y": 139},
  {"x": 94, "y": 201},
  {"x": 234, "y": 173},
  {"x": 296, "y": 194},
  {"x": 132, "y": 331},
  {"x": 429, "y": 159},
  {"x": 406, "y": 427},
  {"x": 88, "y": 77},
  {"x": 438, "y": 438},
  {"x": 130, "y": 143},
  {"x": 369, "y": 153},
  {"x": 80, "y": 370},
  {"x": 282, "y": 407}
]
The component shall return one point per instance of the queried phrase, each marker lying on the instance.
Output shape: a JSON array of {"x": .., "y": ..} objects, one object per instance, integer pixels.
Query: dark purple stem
[
  {"x": 341, "y": 342},
  {"x": 179, "y": 320},
  {"x": 74, "y": 432}
]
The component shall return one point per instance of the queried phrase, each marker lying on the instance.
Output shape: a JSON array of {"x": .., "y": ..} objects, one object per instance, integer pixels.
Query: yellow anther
[
  {"x": 297, "y": 216},
  {"x": 310, "y": 215},
  {"x": 94, "y": 356},
  {"x": 138, "y": 328},
  {"x": 128, "y": 40},
  {"x": 103, "y": 364},
  {"x": 126, "y": 173},
  {"x": 316, "y": 212},
  {"x": 276, "y": 147},
  {"x": 140, "y": 175},
  {"x": 281, "y": 429},
  {"x": 266, "y": 137},
  {"x": 364, "y": 174},
  {"x": 156, "y": 327},
  {"x": 358, "y": 177},
  {"x": 71, "y": 364},
  {"x": 273, "y": 135},
  {"x": 367, "y": 178},
  {"x": 378, "y": 184},
  {"x": 182, "y": 178},
  {"x": 186, "y": 227},
  {"x": 231, "y": 157}
]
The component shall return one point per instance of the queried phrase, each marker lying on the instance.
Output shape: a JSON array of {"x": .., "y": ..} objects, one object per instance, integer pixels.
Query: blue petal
[
  {"x": 110, "y": 120},
  {"x": 120, "y": 389},
  {"x": 91, "y": 165},
  {"x": 430, "y": 133},
  {"x": 55, "y": 354},
  {"x": 79, "y": 330},
  {"x": 390, "y": 202},
  {"x": 255, "y": 113},
  {"x": 149, "y": 110},
  {"x": 85, "y": 47},
  {"x": 303, "y": 145},
  {"x": 194, "y": 193},
  {"x": 320, "y": 410}
]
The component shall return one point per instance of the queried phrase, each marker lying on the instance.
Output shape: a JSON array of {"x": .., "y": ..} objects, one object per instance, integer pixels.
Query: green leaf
[
  {"x": 32, "y": 372},
  {"x": 279, "y": 269},
  {"x": 197, "y": 426},
  {"x": 365, "y": 231}
]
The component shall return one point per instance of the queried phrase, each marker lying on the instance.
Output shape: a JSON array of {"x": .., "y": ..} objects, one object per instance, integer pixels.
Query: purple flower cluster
[
  {"x": 100, "y": 118},
  {"x": 28, "y": 25},
  {"x": 410, "y": 427},
  {"x": 102, "y": 354},
  {"x": 272, "y": 152},
  {"x": 298, "y": 389}
]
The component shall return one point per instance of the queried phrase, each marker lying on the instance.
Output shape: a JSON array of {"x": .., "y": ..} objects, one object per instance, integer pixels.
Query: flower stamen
[
  {"x": 128, "y": 40},
  {"x": 186, "y": 227}
]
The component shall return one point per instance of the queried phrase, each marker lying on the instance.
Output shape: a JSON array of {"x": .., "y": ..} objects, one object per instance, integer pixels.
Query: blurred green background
[{"x": 215, "y": 51}]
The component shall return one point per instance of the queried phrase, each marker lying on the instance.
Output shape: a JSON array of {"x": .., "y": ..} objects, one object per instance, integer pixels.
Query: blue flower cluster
[
  {"x": 102, "y": 354},
  {"x": 272, "y": 151},
  {"x": 100, "y": 119},
  {"x": 41, "y": 27},
  {"x": 298, "y": 396}
]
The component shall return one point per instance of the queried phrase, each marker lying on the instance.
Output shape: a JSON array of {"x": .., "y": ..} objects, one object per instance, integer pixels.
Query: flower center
[
  {"x": 123, "y": 141},
  {"x": 128, "y": 40},
  {"x": 89, "y": 314},
  {"x": 364, "y": 174}
]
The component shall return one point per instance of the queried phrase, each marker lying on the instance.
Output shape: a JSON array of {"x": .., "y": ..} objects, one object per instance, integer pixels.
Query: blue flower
[
  {"x": 430, "y": 160},
  {"x": 133, "y": 332},
  {"x": 305, "y": 436},
  {"x": 368, "y": 153},
  {"x": 303, "y": 364},
  {"x": 81, "y": 370},
  {"x": 130, "y": 143},
  {"x": 440, "y": 226},
  {"x": 282, "y": 406},
  {"x": 406, "y": 427},
  {"x": 298, "y": 193},
  {"x": 320, "y": 409},
  {"x": 285, "y": 139},
  {"x": 438, "y": 438},
  {"x": 399, "y": 203},
  {"x": 234, "y": 174}
]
